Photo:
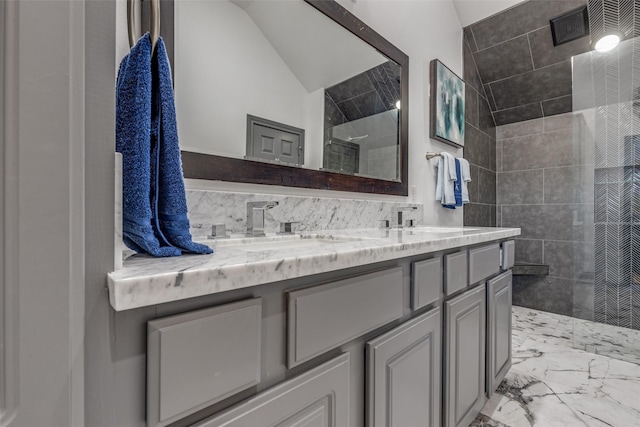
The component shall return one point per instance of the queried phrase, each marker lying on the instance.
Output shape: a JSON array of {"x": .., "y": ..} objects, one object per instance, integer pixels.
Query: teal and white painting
[{"x": 447, "y": 105}]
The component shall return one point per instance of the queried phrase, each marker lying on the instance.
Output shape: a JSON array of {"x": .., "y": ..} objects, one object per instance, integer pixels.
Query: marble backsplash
[{"x": 313, "y": 213}]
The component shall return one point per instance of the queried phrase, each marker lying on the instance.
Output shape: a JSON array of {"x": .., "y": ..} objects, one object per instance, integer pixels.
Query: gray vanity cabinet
[
  {"x": 404, "y": 375},
  {"x": 465, "y": 335},
  {"x": 411, "y": 342},
  {"x": 316, "y": 398},
  {"x": 499, "y": 293}
]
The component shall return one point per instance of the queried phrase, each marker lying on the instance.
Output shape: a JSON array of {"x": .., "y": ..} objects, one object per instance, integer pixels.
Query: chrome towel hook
[{"x": 155, "y": 22}]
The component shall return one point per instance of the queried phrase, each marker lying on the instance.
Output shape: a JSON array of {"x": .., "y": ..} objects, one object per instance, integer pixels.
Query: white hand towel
[
  {"x": 449, "y": 170},
  {"x": 465, "y": 175}
]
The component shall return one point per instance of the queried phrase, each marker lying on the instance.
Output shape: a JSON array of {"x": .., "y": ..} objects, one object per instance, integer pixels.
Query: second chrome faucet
[
  {"x": 397, "y": 214},
  {"x": 255, "y": 217}
]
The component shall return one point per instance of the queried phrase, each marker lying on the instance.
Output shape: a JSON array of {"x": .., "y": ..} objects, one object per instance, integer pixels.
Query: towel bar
[
  {"x": 432, "y": 155},
  {"x": 155, "y": 22}
]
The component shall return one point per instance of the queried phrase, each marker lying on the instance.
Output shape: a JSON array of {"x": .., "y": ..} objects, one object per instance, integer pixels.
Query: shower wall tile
[
  {"x": 563, "y": 104},
  {"x": 472, "y": 186},
  {"x": 529, "y": 251},
  {"x": 514, "y": 130},
  {"x": 470, "y": 39},
  {"x": 493, "y": 216},
  {"x": 552, "y": 294},
  {"x": 538, "y": 151},
  {"x": 544, "y": 53},
  {"x": 479, "y": 148},
  {"x": 471, "y": 107},
  {"x": 479, "y": 215},
  {"x": 523, "y": 74},
  {"x": 525, "y": 17},
  {"x": 504, "y": 60},
  {"x": 521, "y": 112},
  {"x": 480, "y": 143},
  {"x": 486, "y": 186},
  {"x": 570, "y": 260},
  {"x": 568, "y": 184},
  {"x": 520, "y": 187},
  {"x": 469, "y": 72},
  {"x": 540, "y": 221},
  {"x": 489, "y": 96},
  {"x": 485, "y": 118},
  {"x": 538, "y": 85}
]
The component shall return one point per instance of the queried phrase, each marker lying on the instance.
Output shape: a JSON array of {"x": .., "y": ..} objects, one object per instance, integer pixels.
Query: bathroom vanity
[{"x": 344, "y": 328}]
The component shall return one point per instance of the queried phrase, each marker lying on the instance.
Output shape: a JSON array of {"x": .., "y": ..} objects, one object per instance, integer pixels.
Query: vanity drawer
[
  {"x": 455, "y": 271},
  {"x": 319, "y": 397},
  {"x": 326, "y": 316},
  {"x": 427, "y": 282},
  {"x": 483, "y": 262},
  {"x": 201, "y": 357},
  {"x": 508, "y": 254}
]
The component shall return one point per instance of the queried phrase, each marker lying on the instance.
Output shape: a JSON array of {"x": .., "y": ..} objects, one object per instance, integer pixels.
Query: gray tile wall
[
  {"x": 371, "y": 92},
  {"x": 479, "y": 146},
  {"x": 545, "y": 187},
  {"x": 523, "y": 74}
]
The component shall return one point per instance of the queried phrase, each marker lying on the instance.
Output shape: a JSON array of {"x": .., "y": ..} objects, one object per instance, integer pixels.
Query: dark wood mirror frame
[{"x": 219, "y": 168}]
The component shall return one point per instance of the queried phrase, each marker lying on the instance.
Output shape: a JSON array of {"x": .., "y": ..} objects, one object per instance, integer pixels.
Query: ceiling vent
[{"x": 570, "y": 26}]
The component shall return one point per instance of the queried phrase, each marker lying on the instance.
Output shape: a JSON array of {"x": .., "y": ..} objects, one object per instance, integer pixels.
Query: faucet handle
[
  {"x": 384, "y": 223},
  {"x": 287, "y": 227},
  {"x": 410, "y": 223},
  {"x": 218, "y": 231}
]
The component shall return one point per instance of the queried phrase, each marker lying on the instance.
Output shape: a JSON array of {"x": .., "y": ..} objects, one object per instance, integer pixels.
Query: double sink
[{"x": 312, "y": 240}]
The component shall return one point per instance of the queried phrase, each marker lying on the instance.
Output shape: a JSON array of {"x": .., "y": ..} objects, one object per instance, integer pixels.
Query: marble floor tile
[
  {"x": 605, "y": 340},
  {"x": 552, "y": 384}
]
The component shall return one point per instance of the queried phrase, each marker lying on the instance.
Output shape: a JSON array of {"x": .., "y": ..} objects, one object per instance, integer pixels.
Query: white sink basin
[
  {"x": 269, "y": 243},
  {"x": 428, "y": 229}
]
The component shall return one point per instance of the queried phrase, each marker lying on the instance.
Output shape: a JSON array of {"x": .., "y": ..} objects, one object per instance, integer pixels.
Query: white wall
[
  {"x": 212, "y": 117},
  {"x": 424, "y": 30},
  {"x": 472, "y": 11}
]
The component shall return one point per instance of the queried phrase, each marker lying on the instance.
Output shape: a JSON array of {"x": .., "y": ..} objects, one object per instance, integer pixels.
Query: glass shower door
[{"x": 606, "y": 267}]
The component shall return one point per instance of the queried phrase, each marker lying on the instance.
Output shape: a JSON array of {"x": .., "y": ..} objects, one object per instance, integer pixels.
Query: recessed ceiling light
[{"x": 607, "y": 42}]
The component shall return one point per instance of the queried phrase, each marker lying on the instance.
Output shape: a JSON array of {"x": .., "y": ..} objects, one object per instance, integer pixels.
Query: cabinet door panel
[
  {"x": 317, "y": 398},
  {"x": 456, "y": 274},
  {"x": 403, "y": 374},
  {"x": 483, "y": 262},
  {"x": 508, "y": 254},
  {"x": 465, "y": 361},
  {"x": 187, "y": 367},
  {"x": 325, "y": 316},
  {"x": 427, "y": 282},
  {"x": 499, "y": 291}
]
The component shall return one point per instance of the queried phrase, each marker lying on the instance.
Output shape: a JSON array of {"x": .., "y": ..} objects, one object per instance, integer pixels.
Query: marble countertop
[{"x": 241, "y": 263}]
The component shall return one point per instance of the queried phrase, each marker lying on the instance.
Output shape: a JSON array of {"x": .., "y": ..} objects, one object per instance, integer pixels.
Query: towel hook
[{"x": 155, "y": 22}]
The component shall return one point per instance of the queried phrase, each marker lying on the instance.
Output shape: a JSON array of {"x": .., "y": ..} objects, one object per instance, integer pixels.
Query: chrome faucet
[
  {"x": 397, "y": 213},
  {"x": 255, "y": 217}
]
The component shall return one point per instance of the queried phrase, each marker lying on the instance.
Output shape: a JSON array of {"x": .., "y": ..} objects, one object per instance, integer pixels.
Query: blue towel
[
  {"x": 457, "y": 187},
  {"x": 140, "y": 175},
  {"x": 169, "y": 202},
  {"x": 133, "y": 121}
]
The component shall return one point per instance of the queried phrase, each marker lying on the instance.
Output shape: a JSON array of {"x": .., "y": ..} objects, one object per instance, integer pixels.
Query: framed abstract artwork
[{"x": 447, "y": 105}]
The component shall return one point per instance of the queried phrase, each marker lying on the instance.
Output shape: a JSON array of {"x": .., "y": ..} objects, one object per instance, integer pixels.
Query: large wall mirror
[{"x": 295, "y": 93}]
